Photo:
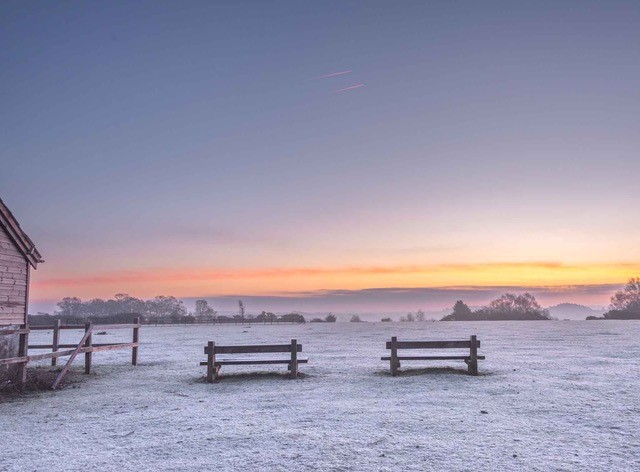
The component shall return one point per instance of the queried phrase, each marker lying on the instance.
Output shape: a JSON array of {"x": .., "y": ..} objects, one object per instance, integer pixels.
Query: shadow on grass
[
  {"x": 252, "y": 377},
  {"x": 40, "y": 379},
  {"x": 438, "y": 371}
]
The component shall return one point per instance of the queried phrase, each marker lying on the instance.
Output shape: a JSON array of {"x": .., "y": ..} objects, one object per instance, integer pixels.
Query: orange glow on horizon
[{"x": 271, "y": 281}]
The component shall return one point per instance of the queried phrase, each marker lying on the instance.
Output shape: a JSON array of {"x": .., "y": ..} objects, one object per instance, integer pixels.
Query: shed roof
[{"x": 18, "y": 236}]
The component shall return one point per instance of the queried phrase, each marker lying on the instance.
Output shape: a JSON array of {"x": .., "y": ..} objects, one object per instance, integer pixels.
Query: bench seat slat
[
  {"x": 256, "y": 361},
  {"x": 430, "y": 358},
  {"x": 256, "y": 348},
  {"x": 432, "y": 344}
]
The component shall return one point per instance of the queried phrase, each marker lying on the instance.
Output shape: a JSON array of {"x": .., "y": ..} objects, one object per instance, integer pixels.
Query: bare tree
[
  {"x": 419, "y": 315},
  {"x": 70, "y": 307},
  {"x": 204, "y": 311},
  {"x": 627, "y": 298}
]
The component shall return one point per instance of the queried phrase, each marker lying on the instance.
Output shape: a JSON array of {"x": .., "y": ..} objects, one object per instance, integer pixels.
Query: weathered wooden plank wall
[
  {"x": 13, "y": 282},
  {"x": 14, "y": 279}
]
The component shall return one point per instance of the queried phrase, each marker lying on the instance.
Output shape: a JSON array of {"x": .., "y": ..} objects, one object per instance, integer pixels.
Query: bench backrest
[
  {"x": 255, "y": 348},
  {"x": 432, "y": 344}
]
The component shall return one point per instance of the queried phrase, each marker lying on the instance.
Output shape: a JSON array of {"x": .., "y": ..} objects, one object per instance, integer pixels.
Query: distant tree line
[
  {"x": 330, "y": 318},
  {"x": 507, "y": 307},
  {"x": 418, "y": 316},
  {"x": 123, "y": 308},
  {"x": 625, "y": 303}
]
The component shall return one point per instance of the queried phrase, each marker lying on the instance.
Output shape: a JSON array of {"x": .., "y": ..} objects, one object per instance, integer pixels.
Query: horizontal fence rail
[
  {"x": 95, "y": 327},
  {"x": 48, "y": 328},
  {"x": 50, "y": 355}
]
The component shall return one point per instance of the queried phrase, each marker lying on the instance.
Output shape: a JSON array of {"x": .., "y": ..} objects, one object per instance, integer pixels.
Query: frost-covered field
[{"x": 559, "y": 396}]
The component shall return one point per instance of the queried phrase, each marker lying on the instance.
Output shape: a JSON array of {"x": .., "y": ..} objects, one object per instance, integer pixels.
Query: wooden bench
[
  {"x": 214, "y": 363},
  {"x": 471, "y": 359}
]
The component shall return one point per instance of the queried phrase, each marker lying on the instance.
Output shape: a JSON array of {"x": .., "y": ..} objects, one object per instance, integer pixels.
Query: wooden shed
[{"x": 18, "y": 255}]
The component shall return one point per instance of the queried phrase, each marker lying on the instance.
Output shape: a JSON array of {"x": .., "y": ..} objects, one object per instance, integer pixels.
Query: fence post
[
  {"x": 23, "y": 351},
  {"x": 211, "y": 358},
  {"x": 56, "y": 341},
  {"x": 394, "y": 356},
  {"x": 136, "y": 337},
  {"x": 294, "y": 358},
  {"x": 473, "y": 356},
  {"x": 87, "y": 355}
]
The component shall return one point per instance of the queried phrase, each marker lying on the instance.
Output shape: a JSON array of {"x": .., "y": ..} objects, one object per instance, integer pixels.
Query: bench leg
[
  {"x": 394, "y": 363},
  {"x": 292, "y": 372},
  {"x": 212, "y": 374},
  {"x": 294, "y": 358},
  {"x": 472, "y": 365},
  {"x": 395, "y": 366},
  {"x": 211, "y": 357}
]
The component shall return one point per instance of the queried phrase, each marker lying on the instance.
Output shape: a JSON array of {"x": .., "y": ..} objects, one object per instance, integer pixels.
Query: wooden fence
[{"x": 84, "y": 346}]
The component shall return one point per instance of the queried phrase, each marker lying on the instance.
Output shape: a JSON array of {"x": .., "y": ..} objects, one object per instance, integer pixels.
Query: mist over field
[{"x": 373, "y": 304}]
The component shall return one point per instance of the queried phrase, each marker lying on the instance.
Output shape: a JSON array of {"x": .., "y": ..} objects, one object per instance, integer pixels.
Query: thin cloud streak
[
  {"x": 335, "y": 74},
  {"x": 346, "y": 89}
]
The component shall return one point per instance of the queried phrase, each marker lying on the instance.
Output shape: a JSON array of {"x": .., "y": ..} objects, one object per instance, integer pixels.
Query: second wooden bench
[{"x": 470, "y": 359}]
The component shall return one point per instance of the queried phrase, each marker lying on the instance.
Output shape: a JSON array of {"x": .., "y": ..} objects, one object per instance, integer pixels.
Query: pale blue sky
[{"x": 140, "y": 135}]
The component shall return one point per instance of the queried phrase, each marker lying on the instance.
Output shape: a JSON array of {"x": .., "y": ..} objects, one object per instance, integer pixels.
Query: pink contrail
[
  {"x": 348, "y": 88},
  {"x": 335, "y": 74}
]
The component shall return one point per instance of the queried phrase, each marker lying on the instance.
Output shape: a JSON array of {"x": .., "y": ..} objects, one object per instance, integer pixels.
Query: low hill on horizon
[{"x": 573, "y": 311}]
